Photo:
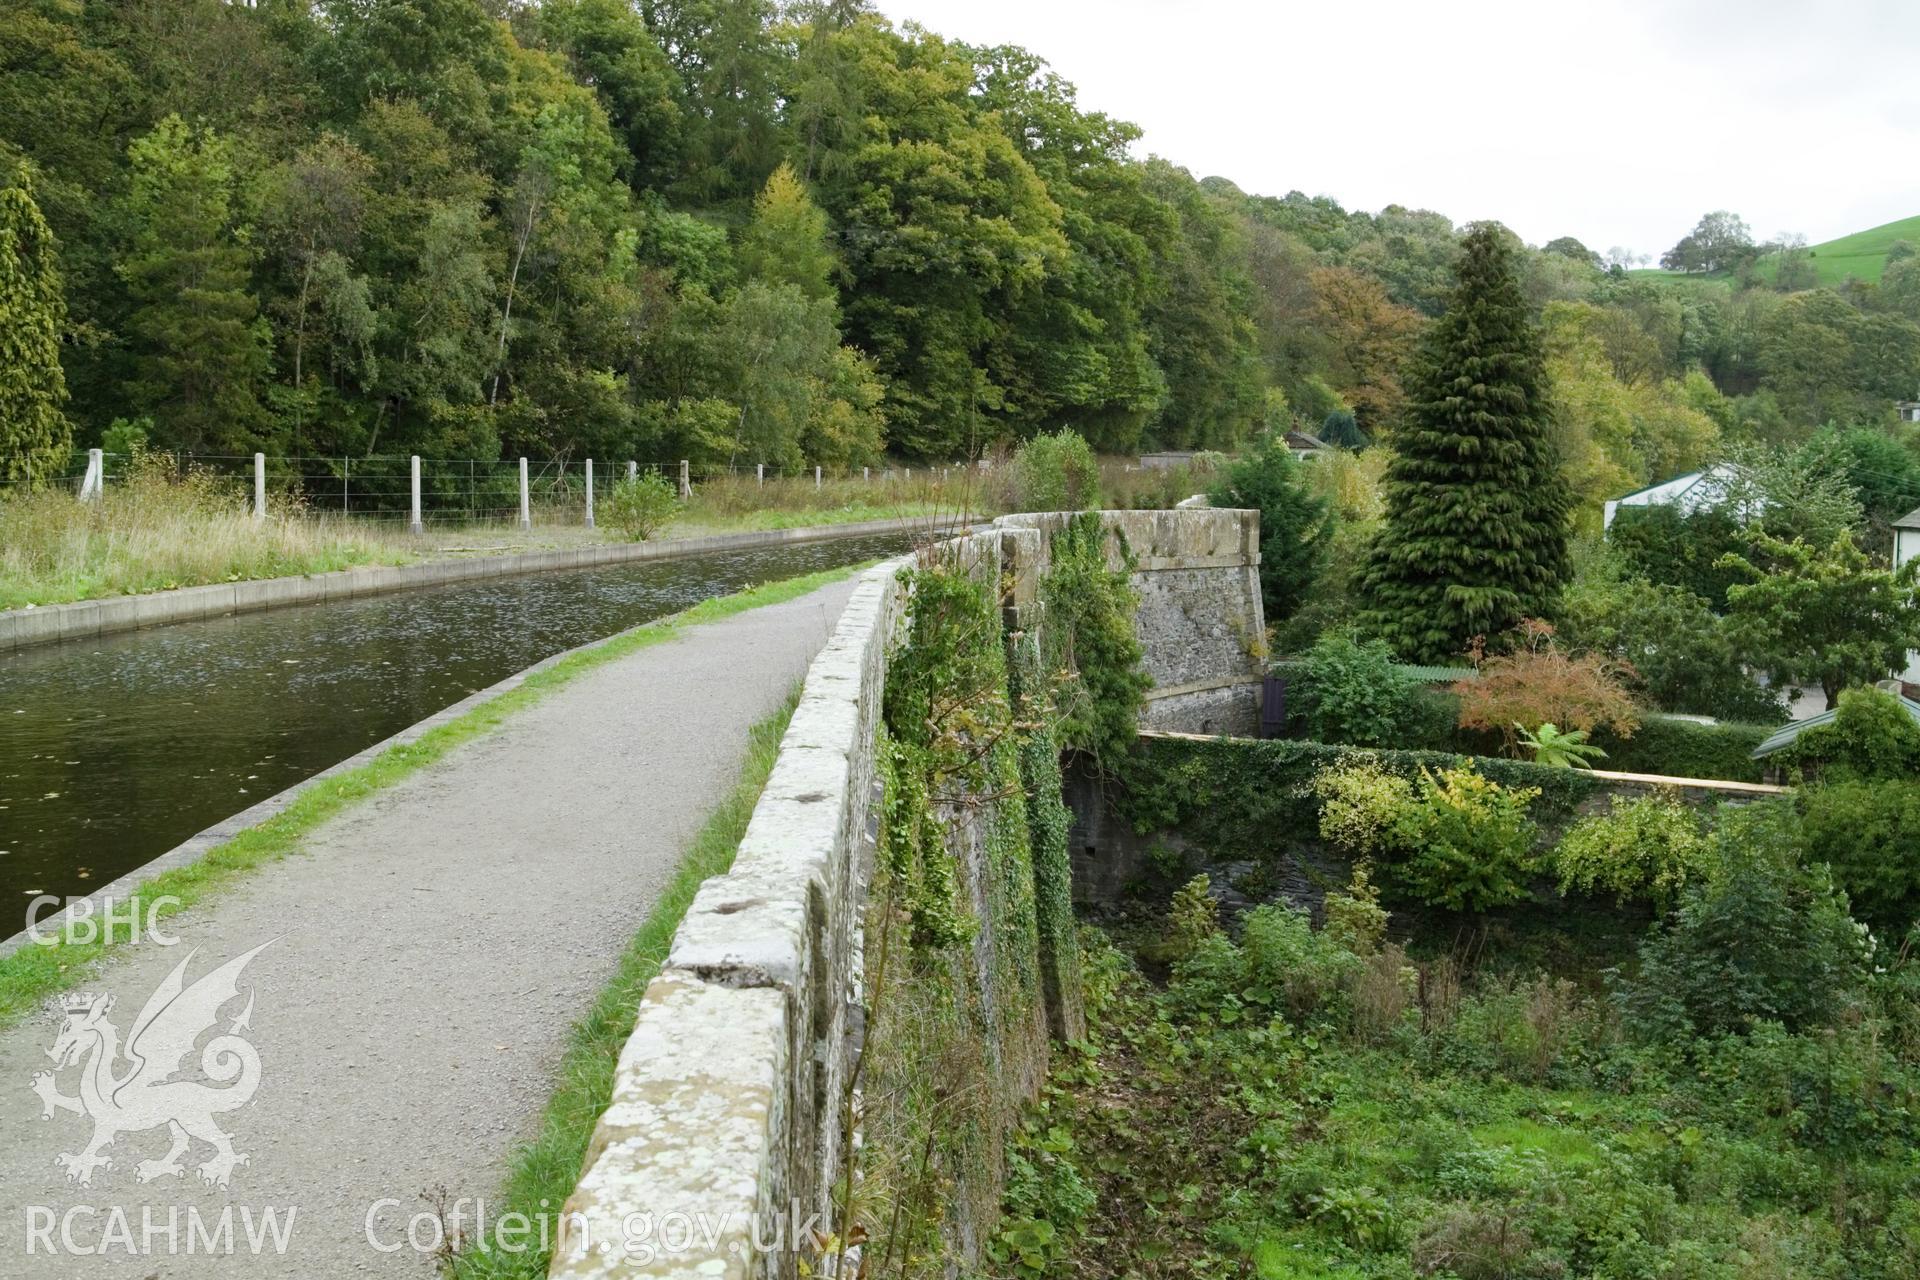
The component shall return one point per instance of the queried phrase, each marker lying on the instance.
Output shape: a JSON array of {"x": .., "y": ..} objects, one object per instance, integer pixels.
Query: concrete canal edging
[{"x": 86, "y": 619}]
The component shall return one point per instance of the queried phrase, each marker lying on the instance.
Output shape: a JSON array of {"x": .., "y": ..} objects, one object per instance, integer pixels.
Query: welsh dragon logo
[{"x": 133, "y": 1090}]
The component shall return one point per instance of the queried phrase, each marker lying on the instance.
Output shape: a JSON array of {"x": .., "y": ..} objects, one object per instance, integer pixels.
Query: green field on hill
[{"x": 1862, "y": 254}]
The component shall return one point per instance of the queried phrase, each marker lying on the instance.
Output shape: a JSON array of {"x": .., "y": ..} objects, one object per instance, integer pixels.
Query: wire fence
[{"x": 467, "y": 490}]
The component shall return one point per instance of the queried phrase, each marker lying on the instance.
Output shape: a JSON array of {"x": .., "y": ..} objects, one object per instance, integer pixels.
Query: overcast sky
[{"x": 1620, "y": 123}]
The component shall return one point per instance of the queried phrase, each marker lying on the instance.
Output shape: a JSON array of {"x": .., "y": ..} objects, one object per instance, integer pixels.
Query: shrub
[
  {"x": 1355, "y": 693},
  {"x": 1296, "y": 525},
  {"x": 1647, "y": 849},
  {"x": 1381, "y": 991},
  {"x": 1285, "y": 955},
  {"x": 1473, "y": 1243},
  {"x": 1870, "y": 736},
  {"x": 641, "y": 506},
  {"x": 1192, "y": 919},
  {"x": 1361, "y": 805},
  {"x": 1468, "y": 841},
  {"x": 1355, "y": 918},
  {"x": 1539, "y": 684},
  {"x": 1056, "y": 472},
  {"x": 1281, "y": 965},
  {"x": 1869, "y": 834},
  {"x": 1243, "y": 799},
  {"x": 1759, "y": 937}
]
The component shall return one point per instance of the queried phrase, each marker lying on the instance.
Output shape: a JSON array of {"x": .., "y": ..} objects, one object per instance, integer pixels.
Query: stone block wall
[
  {"x": 726, "y": 1133},
  {"x": 1200, "y": 617}
]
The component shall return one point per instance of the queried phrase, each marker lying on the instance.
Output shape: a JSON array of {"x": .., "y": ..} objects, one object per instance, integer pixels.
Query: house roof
[
  {"x": 1303, "y": 440},
  {"x": 1787, "y": 733},
  {"x": 1911, "y": 520},
  {"x": 1677, "y": 488}
]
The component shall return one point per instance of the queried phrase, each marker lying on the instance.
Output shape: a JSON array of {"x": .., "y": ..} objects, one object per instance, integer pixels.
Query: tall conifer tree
[
  {"x": 1476, "y": 527},
  {"x": 34, "y": 431}
]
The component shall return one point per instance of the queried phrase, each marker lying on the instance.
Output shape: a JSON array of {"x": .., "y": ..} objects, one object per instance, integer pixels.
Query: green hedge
[
  {"x": 1683, "y": 749},
  {"x": 1677, "y": 748},
  {"x": 1243, "y": 797}
]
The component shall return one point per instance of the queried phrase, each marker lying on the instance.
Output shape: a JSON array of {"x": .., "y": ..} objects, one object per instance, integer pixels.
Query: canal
[{"x": 114, "y": 750}]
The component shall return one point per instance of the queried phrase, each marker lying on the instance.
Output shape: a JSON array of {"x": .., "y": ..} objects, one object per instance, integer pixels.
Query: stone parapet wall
[
  {"x": 726, "y": 1100},
  {"x": 729, "y": 1103}
]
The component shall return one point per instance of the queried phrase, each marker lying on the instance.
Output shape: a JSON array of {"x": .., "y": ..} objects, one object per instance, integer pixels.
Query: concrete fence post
[
  {"x": 816, "y": 477},
  {"x": 259, "y": 487},
  {"x": 414, "y": 524},
  {"x": 526, "y": 510},
  {"x": 866, "y": 473},
  {"x": 760, "y": 474},
  {"x": 633, "y": 470},
  {"x": 686, "y": 481},
  {"x": 95, "y": 481},
  {"x": 589, "y": 493}
]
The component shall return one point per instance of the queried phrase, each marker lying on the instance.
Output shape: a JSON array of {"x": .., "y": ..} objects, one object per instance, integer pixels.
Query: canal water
[{"x": 114, "y": 750}]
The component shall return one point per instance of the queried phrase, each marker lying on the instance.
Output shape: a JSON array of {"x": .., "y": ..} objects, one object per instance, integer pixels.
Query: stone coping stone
[{"x": 681, "y": 1173}]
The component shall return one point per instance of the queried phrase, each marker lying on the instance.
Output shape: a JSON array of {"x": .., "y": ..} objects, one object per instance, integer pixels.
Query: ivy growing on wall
[
  {"x": 946, "y": 711},
  {"x": 1047, "y": 824},
  {"x": 1091, "y": 647},
  {"x": 957, "y": 1032}
]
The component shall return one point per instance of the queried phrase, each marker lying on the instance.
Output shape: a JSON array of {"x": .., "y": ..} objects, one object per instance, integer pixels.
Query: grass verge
[
  {"x": 32, "y": 973},
  {"x": 160, "y": 526},
  {"x": 697, "y": 523},
  {"x": 543, "y": 1173}
]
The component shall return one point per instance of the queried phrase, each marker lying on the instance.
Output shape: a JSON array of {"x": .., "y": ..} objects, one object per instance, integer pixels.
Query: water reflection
[{"x": 112, "y": 751}]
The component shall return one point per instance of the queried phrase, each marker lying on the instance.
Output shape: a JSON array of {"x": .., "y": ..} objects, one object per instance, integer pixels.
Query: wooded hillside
[{"x": 736, "y": 232}]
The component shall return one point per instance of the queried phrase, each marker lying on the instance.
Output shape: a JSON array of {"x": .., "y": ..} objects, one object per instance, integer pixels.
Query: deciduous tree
[{"x": 1824, "y": 615}]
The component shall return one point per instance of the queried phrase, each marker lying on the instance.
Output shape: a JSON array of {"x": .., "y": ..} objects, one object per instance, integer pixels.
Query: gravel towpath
[{"x": 428, "y": 952}]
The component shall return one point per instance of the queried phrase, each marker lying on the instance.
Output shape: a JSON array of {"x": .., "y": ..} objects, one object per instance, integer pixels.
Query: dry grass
[
  {"x": 156, "y": 530},
  {"x": 726, "y": 503},
  {"x": 1125, "y": 485}
]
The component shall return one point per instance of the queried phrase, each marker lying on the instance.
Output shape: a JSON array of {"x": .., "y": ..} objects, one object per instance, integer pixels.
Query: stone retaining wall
[{"x": 85, "y": 619}]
